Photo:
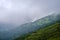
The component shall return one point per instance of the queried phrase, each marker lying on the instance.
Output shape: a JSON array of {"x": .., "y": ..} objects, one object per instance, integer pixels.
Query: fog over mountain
[{"x": 18, "y": 12}]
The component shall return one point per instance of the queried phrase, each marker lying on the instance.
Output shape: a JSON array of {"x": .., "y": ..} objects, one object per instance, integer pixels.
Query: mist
[{"x": 18, "y": 12}]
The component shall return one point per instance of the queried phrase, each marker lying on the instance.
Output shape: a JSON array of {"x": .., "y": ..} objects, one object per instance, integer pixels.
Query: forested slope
[{"x": 48, "y": 33}]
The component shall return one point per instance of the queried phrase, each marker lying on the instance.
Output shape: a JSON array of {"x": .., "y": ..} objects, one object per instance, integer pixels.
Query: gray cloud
[{"x": 18, "y": 11}]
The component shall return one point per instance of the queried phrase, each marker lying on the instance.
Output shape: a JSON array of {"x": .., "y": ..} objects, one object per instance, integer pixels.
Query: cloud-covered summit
[{"x": 19, "y": 11}]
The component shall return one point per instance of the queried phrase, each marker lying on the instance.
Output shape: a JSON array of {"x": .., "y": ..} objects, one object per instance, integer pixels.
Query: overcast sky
[{"x": 18, "y": 11}]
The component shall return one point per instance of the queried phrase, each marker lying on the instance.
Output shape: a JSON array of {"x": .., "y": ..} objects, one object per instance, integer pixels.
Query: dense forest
[
  {"x": 47, "y": 28},
  {"x": 48, "y": 33}
]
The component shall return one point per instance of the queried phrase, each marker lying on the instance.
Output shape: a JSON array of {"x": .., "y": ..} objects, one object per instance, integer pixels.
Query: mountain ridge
[
  {"x": 30, "y": 27},
  {"x": 43, "y": 34}
]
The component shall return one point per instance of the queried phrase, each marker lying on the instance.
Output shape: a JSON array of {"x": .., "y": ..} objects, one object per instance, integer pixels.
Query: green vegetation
[
  {"x": 47, "y": 28},
  {"x": 48, "y": 33}
]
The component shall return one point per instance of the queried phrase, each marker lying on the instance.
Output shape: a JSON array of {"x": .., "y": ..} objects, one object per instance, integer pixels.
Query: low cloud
[{"x": 19, "y": 11}]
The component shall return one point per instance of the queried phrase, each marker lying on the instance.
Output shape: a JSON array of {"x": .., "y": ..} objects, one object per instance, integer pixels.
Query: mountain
[
  {"x": 30, "y": 27},
  {"x": 51, "y": 32},
  {"x": 5, "y": 27}
]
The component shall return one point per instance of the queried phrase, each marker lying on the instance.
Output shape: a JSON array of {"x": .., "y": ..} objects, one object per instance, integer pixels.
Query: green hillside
[
  {"x": 47, "y": 28},
  {"x": 48, "y": 33}
]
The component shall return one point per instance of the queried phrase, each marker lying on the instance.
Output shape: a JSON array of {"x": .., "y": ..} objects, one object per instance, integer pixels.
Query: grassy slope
[{"x": 49, "y": 33}]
